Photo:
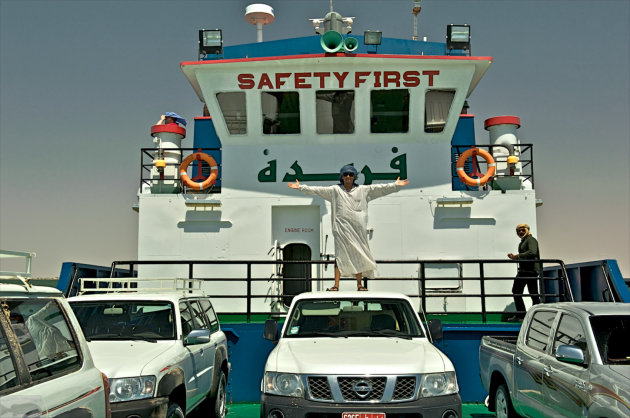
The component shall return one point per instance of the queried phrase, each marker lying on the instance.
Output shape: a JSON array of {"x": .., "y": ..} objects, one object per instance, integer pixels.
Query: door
[
  {"x": 529, "y": 363},
  {"x": 296, "y": 229},
  {"x": 196, "y": 359},
  {"x": 296, "y": 277},
  {"x": 566, "y": 385}
]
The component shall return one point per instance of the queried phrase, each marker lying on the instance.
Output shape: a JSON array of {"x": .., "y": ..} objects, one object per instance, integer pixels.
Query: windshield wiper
[
  {"x": 317, "y": 334},
  {"x": 382, "y": 333},
  {"x": 148, "y": 339}
]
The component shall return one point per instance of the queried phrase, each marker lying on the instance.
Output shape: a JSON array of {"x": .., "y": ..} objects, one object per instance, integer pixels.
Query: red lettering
[
  {"x": 265, "y": 81},
  {"x": 300, "y": 82},
  {"x": 279, "y": 77},
  {"x": 341, "y": 77},
  {"x": 391, "y": 77},
  {"x": 430, "y": 74},
  {"x": 377, "y": 79},
  {"x": 358, "y": 77},
  {"x": 412, "y": 79},
  {"x": 322, "y": 77},
  {"x": 246, "y": 81}
]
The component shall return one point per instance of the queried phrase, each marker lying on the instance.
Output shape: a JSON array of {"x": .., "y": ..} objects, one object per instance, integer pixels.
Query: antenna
[
  {"x": 415, "y": 12},
  {"x": 259, "y": 15}
]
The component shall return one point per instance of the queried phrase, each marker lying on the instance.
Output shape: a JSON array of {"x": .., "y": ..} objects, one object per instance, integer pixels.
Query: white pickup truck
[
  {"x": 570, "y": 359},
  {"x": 356, "y": 355}
]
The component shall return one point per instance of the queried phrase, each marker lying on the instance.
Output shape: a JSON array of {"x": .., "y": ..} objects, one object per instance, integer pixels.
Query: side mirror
[
  {"x": 435, "y": 329},
  {"x": 197, "y": 336},
  {"x": 570, "y": 354},
  {"x": 271, "y": 330}
]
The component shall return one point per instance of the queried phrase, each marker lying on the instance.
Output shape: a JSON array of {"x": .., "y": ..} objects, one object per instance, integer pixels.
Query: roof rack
[
  {"x": 135, "y": 285},
  {"x": 21, "y": 276}
]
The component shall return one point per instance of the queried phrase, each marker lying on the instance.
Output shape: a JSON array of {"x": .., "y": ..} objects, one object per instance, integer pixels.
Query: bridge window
[
  {"x": 437, "y": 105},
  {"x": 389, "y": 111},
  {"x": 280, "y": 112},
  {"x": 234, "y": 112},
  {"x": 335, "y": 111}
]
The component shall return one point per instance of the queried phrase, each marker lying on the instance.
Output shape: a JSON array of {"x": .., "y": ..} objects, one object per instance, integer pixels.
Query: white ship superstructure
[{"x": 282, "y": 117}]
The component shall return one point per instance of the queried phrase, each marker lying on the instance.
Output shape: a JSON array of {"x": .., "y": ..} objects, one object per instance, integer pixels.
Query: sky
[{"x": 81, "y": 82}]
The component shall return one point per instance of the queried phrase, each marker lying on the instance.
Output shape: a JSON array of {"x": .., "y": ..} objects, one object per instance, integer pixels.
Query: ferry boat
[{"x": 217, "y": 207}]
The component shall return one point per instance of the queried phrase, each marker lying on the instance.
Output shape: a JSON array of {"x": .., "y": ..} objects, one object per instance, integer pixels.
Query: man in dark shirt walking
[{"x": 528, "y": 271}]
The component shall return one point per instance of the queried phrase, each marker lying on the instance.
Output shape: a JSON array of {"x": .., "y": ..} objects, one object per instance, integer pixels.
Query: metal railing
[
  {"x": 524, "y": 152},
  {"x": 553, "y": 285},
  {"x": 149, "y": 155}
]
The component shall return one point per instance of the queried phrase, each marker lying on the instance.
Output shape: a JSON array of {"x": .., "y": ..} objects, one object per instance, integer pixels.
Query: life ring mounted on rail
[
  {"x": 199, "y": 156},
  {"x": 473, "y": 152}
]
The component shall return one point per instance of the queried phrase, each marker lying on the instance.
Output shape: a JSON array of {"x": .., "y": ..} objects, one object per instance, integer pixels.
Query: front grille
[
  {"x": 405, "y": 388},
  {"x": 362, "y": 388},
  {"x": 318, "y": 388}
]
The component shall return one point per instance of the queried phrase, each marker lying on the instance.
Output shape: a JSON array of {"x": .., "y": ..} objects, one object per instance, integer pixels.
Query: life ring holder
[
  {"x": 199, "y": 156},
  {"x": 473, "y": 152}
]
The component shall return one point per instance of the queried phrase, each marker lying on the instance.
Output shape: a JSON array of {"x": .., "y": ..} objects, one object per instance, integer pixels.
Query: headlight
[
  {"x": 438, "y": 384},
  {"x": 131, "y": 388},
  {"x": 283, "y": 384}
]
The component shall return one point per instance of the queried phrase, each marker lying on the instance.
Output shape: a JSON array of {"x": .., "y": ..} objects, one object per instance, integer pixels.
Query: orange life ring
[
  {"x": 212, "y": 178},
  {"x": 465, "y": 177}
]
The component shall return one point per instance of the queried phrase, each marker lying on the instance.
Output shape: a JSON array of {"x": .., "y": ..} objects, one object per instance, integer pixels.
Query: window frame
[
  {"x": 586, "y": 350},
  {"x": 22, "y": 370},
  {"x": 225, "y": 122},
  {"x": 319, "y": 94},
  {"x": 205, "y": 312},
  {"x": 263, "y": 108},
  {"x": 371, "y": 111},
  {"x": 548, "y": 334},
  {"x": 434, "y": 130}
]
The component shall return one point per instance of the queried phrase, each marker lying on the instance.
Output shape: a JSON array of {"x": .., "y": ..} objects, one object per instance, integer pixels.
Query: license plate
[{"x": 363, "y": 415}]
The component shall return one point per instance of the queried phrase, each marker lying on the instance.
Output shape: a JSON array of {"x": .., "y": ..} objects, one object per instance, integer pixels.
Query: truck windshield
[
  {"x": 611, "y": 333},
  {"x": 353, "y": 318},
  {"x": 126, "y": 320}
]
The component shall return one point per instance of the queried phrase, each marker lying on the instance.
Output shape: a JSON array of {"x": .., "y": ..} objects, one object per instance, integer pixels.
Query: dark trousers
[{"x": 529, "y": 279}]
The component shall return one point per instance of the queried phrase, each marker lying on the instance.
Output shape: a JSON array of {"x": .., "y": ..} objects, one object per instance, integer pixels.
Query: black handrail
[
  {"x": 526, "y": 160},
  {"x": 563, "y": 292},
  {"x": 148, "y": 156}
]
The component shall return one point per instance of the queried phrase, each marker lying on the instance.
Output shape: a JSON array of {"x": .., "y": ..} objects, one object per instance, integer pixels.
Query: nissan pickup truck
[
  {"x": 570, "y": 359},
  {"x": 356, "y": 355}
]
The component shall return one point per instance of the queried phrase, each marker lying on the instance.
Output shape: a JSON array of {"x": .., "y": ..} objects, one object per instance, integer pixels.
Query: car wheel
[
  {"x": 218, "y": 403},
  {"x": 175, "y": 411},
  {"x": 503, "y": 403}
]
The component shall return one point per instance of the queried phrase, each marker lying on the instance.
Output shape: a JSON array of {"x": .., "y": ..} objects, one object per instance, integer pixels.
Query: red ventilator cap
[{"x": 502, "y": 120}]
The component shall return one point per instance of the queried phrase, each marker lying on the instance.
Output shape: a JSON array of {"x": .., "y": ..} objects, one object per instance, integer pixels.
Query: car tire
[
  {"x": 503, "y": 403},
  {"x": 175, "y": 411},
  {"x": 218, "y": 402}
]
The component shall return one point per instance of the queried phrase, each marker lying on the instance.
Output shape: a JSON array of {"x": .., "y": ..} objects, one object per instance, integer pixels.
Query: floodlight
[
  {"x": 372, "y": 37},
  {"x": 458, "y": 37},
  {"x": 210, "y": 41}
]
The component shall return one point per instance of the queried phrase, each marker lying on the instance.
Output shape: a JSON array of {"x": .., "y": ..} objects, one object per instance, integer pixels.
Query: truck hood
[
  {"x": 127, "y": 358},
  {"x": 357, "y": 355}
]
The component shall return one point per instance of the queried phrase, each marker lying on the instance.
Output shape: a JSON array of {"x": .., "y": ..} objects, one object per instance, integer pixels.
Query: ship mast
[{"x": 415, "y": 12}]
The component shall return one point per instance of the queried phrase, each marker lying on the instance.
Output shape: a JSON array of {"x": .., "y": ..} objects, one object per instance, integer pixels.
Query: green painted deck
[{"x": 252, "y": 410}]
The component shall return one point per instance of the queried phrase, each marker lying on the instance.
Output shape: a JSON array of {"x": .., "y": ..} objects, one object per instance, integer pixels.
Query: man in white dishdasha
[{"x": 349, "y": 203}]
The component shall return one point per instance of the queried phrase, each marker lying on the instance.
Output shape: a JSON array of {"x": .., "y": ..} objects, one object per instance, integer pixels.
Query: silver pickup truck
[{"x": 569, "y": 360}]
